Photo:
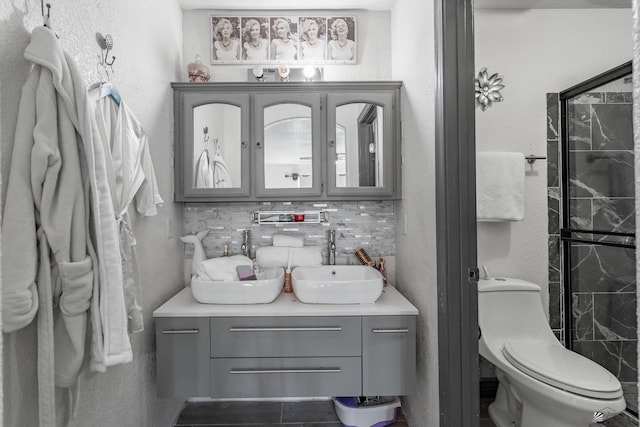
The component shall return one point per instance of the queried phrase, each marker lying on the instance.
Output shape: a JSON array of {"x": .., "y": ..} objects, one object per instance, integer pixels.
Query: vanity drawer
[
  {"x": 389, "y": 355},
  {"x": 285, "y": 377},
  {"x": 182, "y": 356},
  {"x": 285, "y": 336}
]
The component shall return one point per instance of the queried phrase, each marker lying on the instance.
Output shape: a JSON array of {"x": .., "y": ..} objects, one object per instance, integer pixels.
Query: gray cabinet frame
[
  {"x": 234, "y": 357},
  {"x": 264, "y": 100},
  {"x": 188, "y": 95},
  {"x": 184, "y": 145},
  {"x": 391, "y": 137}
]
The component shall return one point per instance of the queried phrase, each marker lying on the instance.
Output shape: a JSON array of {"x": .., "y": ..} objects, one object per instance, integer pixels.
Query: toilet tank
[{"x": 510, "y": 308}]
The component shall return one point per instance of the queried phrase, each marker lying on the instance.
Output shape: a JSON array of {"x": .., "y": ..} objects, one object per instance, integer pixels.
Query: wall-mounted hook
[
  {"x": 106, "y": 44},
  {"x": 206, "y": 131}
]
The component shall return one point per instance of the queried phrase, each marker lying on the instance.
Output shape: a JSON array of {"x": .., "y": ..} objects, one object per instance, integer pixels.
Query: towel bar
[{"x": 531, "y": 159}]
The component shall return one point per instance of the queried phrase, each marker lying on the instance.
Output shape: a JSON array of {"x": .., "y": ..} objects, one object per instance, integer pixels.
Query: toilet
[{"x": 541, "y": 383}]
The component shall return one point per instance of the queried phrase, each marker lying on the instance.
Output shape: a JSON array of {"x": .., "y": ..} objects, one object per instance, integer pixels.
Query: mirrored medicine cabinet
[{"x": 287, "y": 141}]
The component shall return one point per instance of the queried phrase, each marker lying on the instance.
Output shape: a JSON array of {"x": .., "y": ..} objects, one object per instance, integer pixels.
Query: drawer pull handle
[
  {"x": 287, "y": 329},
  {"x": 287, "y": 371},
  {"x": 181, "y": 331},
  {"x": 390, "y": 331}
]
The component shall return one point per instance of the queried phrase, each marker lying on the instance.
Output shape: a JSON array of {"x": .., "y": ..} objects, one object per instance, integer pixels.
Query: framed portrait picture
[
  {"x": 284, "y": 39},
  {"x": 255, "y": 39},
  {"x": 226, "y": 45},
  {"x": 312, "y": 39},
  {"x": 291, "y": 40},
  {"x": 342, "y": 43}
]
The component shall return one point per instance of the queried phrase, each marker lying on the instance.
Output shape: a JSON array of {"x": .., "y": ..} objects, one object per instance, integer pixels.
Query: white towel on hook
[
  {"x": 221, "y": 174},
  {"x": 500, "y": 186}
]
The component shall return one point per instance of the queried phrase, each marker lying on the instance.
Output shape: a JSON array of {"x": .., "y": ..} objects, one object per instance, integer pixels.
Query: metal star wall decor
[{"x": 488, "y": 89}]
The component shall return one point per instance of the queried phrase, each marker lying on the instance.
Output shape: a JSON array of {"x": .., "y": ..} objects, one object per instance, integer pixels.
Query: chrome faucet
[
  {"x": 332, "y": 247},
  {"x": 246, "y": 240}
]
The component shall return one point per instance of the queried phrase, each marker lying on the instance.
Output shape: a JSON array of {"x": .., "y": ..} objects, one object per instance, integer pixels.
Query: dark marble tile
[
  {"x": 486, "y": 423},
  {"x": 554, "y": 258},
  {"x": 588, "y": 98},
  {"x": 553, "y": 203},
  {"x": 611, "y": 127},
  {"x": 555, "y": 302},
  {"x": 611, "y": 355},
  {"x": 629, "y": 361},
  {"x": 614, "y": 316},
  {"x": 579, "y": 126},
  {"x": 553, "y": 155},
  {"x": 553, "y": 116},
  {"x": 581, "y": 211},
  {"x": 198, "y": 413},
  {"x": 630, "y": 390},
  {"x": 582, "y": 314},
  {"x": 618, "y": 97},
  {"x": 614, "y": 214},
  {"x": 254, "y": 425},
  {"x": 602, "y": 269},
  {"x": 601, "y": 174},
  {"x": 310, "y": 411},
  {"x": 618, "y": 421}
]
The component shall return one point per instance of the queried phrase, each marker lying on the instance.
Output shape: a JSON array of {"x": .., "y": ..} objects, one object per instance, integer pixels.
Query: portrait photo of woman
[
  {"x": 313, "y": 43},
  {"x": 255, "y": 42},
  {"x": 225, "y": 39},
  {"x": 342, "y": 40},
  {"x": 284, "y": 39}
]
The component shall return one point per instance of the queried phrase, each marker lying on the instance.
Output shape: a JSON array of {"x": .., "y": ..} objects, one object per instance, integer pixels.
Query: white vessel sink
[
  {"x": 337, "y": 284},
  {"x": 261, "y": 291}
]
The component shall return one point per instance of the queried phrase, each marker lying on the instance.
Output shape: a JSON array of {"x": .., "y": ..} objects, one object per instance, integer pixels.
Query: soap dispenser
[{"x": 288, "y": 286}]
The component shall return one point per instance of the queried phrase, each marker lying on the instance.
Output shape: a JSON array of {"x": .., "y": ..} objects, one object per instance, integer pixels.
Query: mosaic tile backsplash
[
  {"x": 360, "y": 224},
  {"x": 602, "y": 198}
]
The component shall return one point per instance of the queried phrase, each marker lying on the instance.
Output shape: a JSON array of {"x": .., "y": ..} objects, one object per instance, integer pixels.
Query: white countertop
[{"x": 390, "y": 303}]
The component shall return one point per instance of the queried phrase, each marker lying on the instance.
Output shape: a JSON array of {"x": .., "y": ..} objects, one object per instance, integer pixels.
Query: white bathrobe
[
  {"x": 204, "y": 172},
  {"x": 132, "y": 177},
  {"x": 45, "y": 228}
]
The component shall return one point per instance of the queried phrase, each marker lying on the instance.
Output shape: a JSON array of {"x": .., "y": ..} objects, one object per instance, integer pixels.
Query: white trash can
[{"x": 353, "y": 414}]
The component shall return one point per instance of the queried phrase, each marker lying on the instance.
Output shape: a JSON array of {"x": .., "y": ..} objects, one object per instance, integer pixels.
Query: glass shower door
[{"x": 598, "y": 198}]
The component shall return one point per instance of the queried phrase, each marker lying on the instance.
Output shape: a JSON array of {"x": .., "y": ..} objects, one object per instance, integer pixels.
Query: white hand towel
[
  {"x": 500, "y": 186},
  {"x": 223, "y": 268},
  {"x": 277, "y": 256},
  {"x": 294, "y": 240}
]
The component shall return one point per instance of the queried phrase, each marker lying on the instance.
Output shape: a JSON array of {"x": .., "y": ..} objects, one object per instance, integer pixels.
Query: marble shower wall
[
  {"x": 366, "y": 224},
  {"x": 602, "y": 198}
]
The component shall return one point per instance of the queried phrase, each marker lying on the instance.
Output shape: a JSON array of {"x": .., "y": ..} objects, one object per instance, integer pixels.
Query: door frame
[{"x": 456, "y": 215}]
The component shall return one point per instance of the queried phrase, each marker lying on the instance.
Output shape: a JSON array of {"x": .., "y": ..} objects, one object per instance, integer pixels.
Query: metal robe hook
[
  {"x": 206, "y": 131},
  {"x": 106, "y": 44}
]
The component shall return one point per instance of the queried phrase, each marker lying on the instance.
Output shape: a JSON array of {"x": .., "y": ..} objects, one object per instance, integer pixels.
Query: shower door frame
[{"x": 566, "y": 231}]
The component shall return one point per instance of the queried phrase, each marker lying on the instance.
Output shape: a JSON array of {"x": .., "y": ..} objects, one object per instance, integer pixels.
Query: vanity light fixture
[
  {"x": 309, "y": 72},
  {"x": 258, "y": 73},
  {"x": 283, "y": 72}
]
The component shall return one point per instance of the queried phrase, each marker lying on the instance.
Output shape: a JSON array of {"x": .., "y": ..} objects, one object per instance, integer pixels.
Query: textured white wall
[
  {"x": 536, "y": 51},
  {"x": 413, "y": 62},
  {"x": 373, "y": 45},
  {"x": 148, "y": 42}
]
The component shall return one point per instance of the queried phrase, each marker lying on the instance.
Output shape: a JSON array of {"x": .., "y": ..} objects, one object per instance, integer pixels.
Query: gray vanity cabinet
[
  {"x": 272, "y": 356},
  {"x": 388, "y": 355},
  {"x": 287, "y": 141},
  {"x": 182, "y": 358}
]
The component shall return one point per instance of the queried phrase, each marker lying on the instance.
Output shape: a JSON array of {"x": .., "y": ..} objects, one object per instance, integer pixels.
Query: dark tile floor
[{"x": 313, "y": 413}]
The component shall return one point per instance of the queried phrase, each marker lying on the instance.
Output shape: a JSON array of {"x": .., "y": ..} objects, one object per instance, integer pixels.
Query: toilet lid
[{"x": 556, "y": 366}]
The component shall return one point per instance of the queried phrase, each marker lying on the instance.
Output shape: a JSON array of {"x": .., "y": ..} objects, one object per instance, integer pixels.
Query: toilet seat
[{"x": 556, "y": 366}]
